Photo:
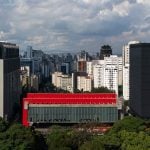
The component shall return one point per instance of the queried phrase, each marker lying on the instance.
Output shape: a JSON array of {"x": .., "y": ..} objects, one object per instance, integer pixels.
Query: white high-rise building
[
  {"x": 106, "y": 73},
  {"x": 120, "y": 71},
  {"x": 98, "y": 74},
  {"x": 126, "y": 52},
  {"x": 89, "y": 68},
  {"x": 126, "y": 82},
  {"x": 126, "y": 67},
  {"x": 111, "y": 72}
]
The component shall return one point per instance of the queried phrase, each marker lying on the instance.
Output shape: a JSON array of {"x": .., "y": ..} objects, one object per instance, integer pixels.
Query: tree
[
  {"x": 17, "y": 137},
  {"x": 80, "y": 137},
  {"x": 110, "y": 142},
  {"x": 134, "y": 141},
  {"x": 60, "y": 138},
  {"x": 92, "y": 145},
  {"x": 129, "y": 123},
  {"x": 102, "y": 90},
  {"x": 78, "y": 91},
  {"x": 3, "y": 125}
]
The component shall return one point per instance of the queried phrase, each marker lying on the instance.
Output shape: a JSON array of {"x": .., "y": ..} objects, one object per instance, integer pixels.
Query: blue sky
[{"x": 72, "y": 25}]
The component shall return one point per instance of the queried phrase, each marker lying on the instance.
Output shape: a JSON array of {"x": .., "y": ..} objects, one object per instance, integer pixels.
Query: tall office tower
[
  {"x": 105, "y": 51},
  {"x": 9, "y": 79},
  {"x": 140, "y": 79},
  {"x": 126, "y": 65}
]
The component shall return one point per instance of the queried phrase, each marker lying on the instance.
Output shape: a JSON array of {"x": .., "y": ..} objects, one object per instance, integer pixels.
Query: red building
[{"x": 69, "y": 108}]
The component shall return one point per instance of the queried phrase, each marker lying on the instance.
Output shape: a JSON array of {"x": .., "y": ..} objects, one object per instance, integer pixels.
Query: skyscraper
[
  {"x": 9, "y": 79},
  {"x": 140, "y": 79}
]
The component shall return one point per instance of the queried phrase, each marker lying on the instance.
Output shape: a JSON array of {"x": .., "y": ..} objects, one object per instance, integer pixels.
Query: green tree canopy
[
  {"x": 94, "y": 144},
  {"x": 131, "y": 124},
  {"x": 17, "y": 137},
  {"x": 59, "y": 138},
  {"x": 3, "y": 125},
  {"x": 102, "y": 90},
  {"x": 134, "y": 141}
]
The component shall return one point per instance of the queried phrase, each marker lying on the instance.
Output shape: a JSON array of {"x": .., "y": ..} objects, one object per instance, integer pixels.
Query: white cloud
[
  {"x": 74, "y": 24},
  {"x": 122, "y": 9}
]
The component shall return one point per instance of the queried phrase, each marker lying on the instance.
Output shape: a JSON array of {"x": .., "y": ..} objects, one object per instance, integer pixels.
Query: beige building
[
  {"x": 56, "y": 77},
  {"x": 66, "y": 83},
  {"x": 84, "y": 83},
  {"x": 62, "y": 81}
]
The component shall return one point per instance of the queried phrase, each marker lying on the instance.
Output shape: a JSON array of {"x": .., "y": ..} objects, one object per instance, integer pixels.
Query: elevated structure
[{"x": 69, "y": 108}]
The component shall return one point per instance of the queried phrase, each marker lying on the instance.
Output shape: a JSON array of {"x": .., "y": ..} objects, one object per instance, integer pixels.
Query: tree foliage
[
  {"x": 131, "y": 124},
  {"x": 17, "y": 137},
  {"x": 3, "y": 125},
  {"x": 102, "y": 90},
  {"x": 128, "y": 134},
  {"x": 94, "y": 144},
  {"x": 60, "y": 138},
  {"x": 134, "y": 141}
]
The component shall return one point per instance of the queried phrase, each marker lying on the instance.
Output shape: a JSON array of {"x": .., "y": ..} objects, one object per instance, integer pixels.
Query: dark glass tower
[
  {"x": 140, "y": 79},
  {"x": 9, "y": 79},
  {"x": 105, "y": 51}
]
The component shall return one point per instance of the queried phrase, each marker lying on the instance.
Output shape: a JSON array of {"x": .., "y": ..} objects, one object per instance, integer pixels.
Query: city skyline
[{"x": 69, "y": 25}]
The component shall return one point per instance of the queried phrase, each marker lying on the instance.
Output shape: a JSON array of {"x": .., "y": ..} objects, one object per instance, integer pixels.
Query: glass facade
[{"x": 72, "y": 114}]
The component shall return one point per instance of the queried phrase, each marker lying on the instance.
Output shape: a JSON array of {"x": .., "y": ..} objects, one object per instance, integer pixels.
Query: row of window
[{"x": 72, "y": 114}]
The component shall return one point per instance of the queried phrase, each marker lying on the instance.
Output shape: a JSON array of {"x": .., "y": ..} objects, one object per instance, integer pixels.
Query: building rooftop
[{"x": 79, "y": 98}]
